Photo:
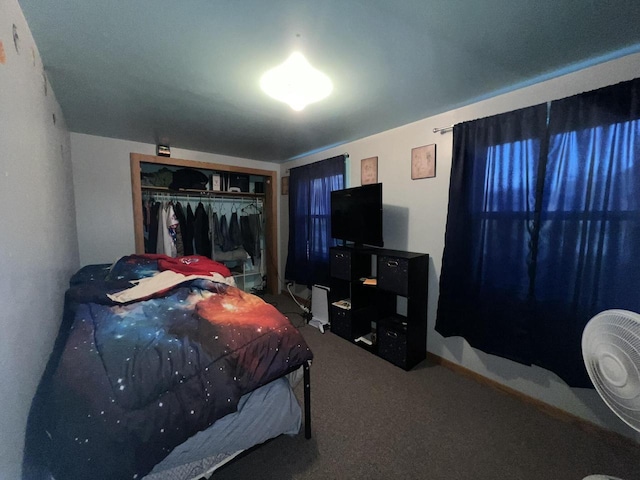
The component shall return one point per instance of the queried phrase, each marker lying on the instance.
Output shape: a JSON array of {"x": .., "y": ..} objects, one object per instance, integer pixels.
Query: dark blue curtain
[
  {"x": 310, "y": 188},
  {"x": 589, "y": 234},
  {"x": 486, "y": 265},
  {"x": 543, "y": 229}
]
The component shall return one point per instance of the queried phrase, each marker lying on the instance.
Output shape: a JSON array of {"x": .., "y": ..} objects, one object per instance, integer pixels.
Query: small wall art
[
  {"x": 423, "y": 162},
  {"x": 369, "y": 171},
  {"x": 285, "y": 185}
]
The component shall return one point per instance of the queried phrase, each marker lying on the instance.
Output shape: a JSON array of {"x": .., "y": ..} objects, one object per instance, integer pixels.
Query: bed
[{"x": 163, "y": 370}]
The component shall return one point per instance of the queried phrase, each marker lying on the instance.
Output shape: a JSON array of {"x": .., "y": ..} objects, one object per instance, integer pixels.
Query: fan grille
[{"x": 611, "y": 352}]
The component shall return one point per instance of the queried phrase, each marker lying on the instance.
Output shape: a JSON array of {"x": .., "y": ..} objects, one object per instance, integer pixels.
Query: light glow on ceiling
[{"x": 296, "y": 83}]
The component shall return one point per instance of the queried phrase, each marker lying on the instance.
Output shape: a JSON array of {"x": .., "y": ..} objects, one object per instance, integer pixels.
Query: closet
[{"x": 239, "y": 196}]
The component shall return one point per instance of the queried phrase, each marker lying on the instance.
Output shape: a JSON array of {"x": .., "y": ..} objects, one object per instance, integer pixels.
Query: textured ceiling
[{"x": 186, "y": 73}]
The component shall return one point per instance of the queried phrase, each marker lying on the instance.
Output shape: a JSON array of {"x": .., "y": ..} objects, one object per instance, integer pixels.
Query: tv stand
[{"x": 378, "y": 300}]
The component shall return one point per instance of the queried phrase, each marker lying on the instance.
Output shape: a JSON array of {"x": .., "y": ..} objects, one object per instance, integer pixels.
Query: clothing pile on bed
[{"x": 131, "y": 378}]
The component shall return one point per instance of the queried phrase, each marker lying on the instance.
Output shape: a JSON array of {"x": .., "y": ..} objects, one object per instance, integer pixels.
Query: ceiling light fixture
[{"x": 296, "y": 83}]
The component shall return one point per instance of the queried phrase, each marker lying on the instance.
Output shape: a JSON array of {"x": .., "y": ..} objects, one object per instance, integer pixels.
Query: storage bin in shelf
[{"x": 392, "y": 340}]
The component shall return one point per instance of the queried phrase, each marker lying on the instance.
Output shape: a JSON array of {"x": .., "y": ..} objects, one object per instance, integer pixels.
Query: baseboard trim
[{"x": 555, "y": 412}]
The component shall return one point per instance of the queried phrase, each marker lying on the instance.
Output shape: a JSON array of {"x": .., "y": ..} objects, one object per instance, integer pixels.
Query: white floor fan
[{"x": 611, "y": 353}]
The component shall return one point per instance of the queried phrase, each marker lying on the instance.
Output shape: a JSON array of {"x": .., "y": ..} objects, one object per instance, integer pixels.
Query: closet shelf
[{"x": 202, "y": 193}]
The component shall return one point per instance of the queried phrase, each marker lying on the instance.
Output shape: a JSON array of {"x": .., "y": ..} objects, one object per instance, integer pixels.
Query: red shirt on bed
[{"x": 190, "y": 265}]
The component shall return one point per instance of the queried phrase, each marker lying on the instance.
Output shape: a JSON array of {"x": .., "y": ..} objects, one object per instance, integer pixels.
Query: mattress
[{"x": 263, "y": 414}]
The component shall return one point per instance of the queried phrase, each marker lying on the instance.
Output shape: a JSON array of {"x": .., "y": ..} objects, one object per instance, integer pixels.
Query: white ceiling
[{"x": 186, "y": 73}]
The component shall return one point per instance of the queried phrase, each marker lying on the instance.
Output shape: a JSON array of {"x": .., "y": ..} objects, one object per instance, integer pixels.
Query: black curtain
[
  {"x": 310, "y": 188},
  {"x": 543, "y": 229}
]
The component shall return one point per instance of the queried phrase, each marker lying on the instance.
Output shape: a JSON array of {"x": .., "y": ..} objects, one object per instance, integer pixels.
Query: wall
[
  {"x": 38, "y": 236},
  {"x": 415, "y": 216},
  {"x": 102, "y": 185}
]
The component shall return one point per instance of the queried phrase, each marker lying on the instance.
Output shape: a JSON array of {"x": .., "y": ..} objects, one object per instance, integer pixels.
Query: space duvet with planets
[{"x": 129, "y": 382}]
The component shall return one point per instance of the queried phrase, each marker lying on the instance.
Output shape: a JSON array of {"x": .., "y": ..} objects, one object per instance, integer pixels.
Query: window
[
  {"x": 310, "y": 188},
  {"x": 543, "y": 229}
]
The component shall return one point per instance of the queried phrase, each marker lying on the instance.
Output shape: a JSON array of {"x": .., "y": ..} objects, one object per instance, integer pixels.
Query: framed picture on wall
[
  {"x": 285, "y": 185},
  {"x": 369, "y": 171},
  {"x": 423, "y": 162}
]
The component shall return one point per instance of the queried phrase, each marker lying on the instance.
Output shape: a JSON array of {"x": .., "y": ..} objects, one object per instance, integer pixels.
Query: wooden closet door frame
[{"x": 270, "y": 210}]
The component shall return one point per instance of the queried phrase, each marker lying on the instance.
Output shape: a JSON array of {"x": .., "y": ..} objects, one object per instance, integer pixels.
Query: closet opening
[{"x": 185, "y": 207}]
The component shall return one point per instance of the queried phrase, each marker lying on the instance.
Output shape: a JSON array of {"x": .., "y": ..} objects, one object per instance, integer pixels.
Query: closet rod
[
  {"x": 194, "y": 197},
  {"x": 202, "y": 193}
]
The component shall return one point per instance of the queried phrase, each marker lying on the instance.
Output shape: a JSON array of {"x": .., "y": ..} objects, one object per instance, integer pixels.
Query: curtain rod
[
  {"x": 443, "y": 129},
  {"x": 346, "y": 155}
]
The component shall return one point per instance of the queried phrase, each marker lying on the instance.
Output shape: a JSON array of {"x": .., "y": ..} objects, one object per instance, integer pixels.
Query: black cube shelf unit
[{"x": 366, "y": 312}]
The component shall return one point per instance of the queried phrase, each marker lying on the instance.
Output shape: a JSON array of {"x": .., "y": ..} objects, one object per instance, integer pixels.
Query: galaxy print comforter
[{"x": 128, "y": 383}]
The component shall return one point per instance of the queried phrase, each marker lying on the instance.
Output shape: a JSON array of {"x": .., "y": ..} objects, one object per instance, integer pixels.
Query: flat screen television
[{"x": 356, "y": 215}]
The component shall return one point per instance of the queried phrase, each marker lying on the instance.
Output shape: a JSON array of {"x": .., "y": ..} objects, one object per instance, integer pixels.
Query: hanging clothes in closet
[
  {"x": 250, "y": 226},
  {"x": 233, "y": 239},
  {"x": 201, "y": 232},
  {"x": 235, "y": 236},
  {"x": 189, "y": 235},
  {"x": 169, "y": 240},
  {"x": 161, "y": 228},
  {"x": 225, "y": 242},
  {"x": 187, "y": 248},
  {"x": 151, "y": 208},
  {"x": 174, "y": 228},
  {"x": 216, "y": 234}
]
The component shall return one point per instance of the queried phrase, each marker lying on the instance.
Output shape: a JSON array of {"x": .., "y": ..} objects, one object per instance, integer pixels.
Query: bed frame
[{"x": 307, "y": 399}]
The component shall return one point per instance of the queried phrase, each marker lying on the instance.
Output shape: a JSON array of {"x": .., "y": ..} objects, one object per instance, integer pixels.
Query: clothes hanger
[{"x": 252, "y": 205}]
